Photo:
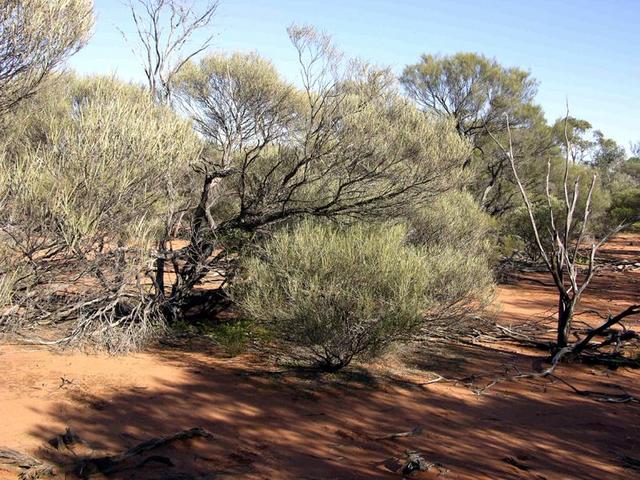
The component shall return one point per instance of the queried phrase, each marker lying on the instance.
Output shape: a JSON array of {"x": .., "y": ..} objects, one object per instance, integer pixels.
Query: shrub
[
  {"x": 454, "y": 220},
  {"x": 625, "y": 205},
  {"x": 233, "y": 337},
  {"x": 331, "y": 294},
  {"x": 84, "y": 203}
]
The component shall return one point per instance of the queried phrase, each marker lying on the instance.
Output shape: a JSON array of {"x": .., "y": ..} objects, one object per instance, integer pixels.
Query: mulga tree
[
  {"x": 346, "y": 144},
  {"x": 36, "y": 37},
  {"x": 477, "y": 93},
  {"x": 84, "y": 204}
]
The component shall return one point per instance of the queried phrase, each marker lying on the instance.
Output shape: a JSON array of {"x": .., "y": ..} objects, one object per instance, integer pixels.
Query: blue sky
[{"x": 586, "y": 51}]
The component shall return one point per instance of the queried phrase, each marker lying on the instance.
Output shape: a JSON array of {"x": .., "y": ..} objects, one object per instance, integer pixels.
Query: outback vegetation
[
  {"x": 333, "y": 218},
  {"x": 119, "y": 201}
]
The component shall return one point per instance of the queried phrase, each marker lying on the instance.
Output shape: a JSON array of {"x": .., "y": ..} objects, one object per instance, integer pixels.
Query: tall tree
[
  {"x": 473, "y": 89},
  {"x": 608, "y": 154},
  {"x": 478, "y": 92},
  {"x": 574, "y": 134},
  {"x": 344, "y": 145}
]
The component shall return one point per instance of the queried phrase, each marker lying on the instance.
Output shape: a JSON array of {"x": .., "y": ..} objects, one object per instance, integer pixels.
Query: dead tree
[
  {"x": 561, "y": 253},
  {"x": 165, "y": 29}
]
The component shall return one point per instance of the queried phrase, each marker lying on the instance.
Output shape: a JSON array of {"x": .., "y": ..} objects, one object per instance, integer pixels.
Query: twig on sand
[{"x": 113, "y": 463}]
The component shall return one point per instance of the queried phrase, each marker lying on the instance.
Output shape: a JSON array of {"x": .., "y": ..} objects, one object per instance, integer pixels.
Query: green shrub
[
  {"x": 454, "y": 220},
  {"x": 625, "y": 205},
  {"x": 233, "y": 336},
  {"x": 330, "y": 295},
  {"x": 84, "y": 202},
  {"x": 518, "y": 224}
]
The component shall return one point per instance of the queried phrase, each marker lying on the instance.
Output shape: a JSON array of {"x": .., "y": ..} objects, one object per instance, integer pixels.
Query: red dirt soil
[{"x": 297, "y": 426}]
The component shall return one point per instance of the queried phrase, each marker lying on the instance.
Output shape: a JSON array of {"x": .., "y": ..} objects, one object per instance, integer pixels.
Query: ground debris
[
  {"x": 412, "y": 463},
  {"x": 28, "y": 467},
  {"x": 415, "y": 463},
  {"x": 630, "y": 462},
  {"x": 31, "y": 468}
]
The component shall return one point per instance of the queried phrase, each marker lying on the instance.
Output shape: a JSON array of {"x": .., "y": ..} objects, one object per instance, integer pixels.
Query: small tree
[
  {"x": 561, "y": 253},
  {"x": 36, "y": 36},
  {"x": 334, "y": 294}
]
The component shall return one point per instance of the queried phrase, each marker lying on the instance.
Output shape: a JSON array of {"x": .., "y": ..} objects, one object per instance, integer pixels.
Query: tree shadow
[{"x": 297, "y": 425}]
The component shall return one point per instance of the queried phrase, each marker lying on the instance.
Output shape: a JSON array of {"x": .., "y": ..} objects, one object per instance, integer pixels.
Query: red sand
[{"x": 290, "y": 427}]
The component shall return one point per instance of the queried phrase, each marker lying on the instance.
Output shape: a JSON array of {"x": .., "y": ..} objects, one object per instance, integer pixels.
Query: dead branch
[
  {"x": 164, "y": 30},
  {"x": 31, "y": 468},
  {"x": 412, "y": 433},
  {"x": 601, "y": 396},
  {"x": 560, "y": 256},
  {"x": 113, "y": 463},
  {"x": 28, "y": 467}
]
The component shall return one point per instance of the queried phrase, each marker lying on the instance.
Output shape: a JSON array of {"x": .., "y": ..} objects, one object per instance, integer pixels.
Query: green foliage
[
  {"x": 479, "y": 95},
  {"x": 454, "y": 220},
  {"x": 576, "y": 131},
  {"x": 625, "y": 205},
  {"x": 632, "y": 168},
  {"x": 90, "y": 194},
  {"x": 233, "y": 336},
  {"x": 36, "y": 37},
  {"x": 351, "y": 146},
  {"x": 67, "y": 182},
  {"x": 476, "y": 90},
  {"x": 518, "y": 222},
  {"x": 608, "y": 155},
  {"x": 332, "y": 294}
]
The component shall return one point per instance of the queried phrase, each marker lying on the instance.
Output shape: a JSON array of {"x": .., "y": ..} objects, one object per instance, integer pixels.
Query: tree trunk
[{"x": 565, "y": 316}]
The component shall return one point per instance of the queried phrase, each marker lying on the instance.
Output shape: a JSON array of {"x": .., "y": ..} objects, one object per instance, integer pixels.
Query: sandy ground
[{"x": 296, "y": 426}]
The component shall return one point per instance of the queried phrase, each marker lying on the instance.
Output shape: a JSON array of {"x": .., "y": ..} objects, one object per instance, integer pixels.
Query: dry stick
[{"x": 601, "y": 397}]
